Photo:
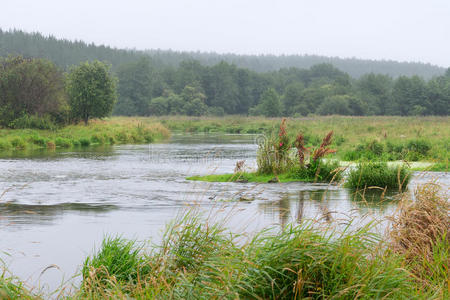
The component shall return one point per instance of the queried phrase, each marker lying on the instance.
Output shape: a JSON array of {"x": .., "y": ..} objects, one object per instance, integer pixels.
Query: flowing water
[{"x": 56, "y": 207}]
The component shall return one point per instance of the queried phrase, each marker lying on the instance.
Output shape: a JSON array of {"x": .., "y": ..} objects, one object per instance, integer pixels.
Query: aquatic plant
[{"x": 378, "y": 174}]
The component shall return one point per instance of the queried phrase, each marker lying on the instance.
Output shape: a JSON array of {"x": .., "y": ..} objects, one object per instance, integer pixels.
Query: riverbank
[{"x": 98, "y": 132}]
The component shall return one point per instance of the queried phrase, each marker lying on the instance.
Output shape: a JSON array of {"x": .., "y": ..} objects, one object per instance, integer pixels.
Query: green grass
[
  {"x": 292, "y": 175},
  {"x": 106, "y": 132},
  {"x": 13, "y": 288},
  {"x": 378, "y": 174},
  {"x": 376, "y": 138},
  {"x": 202, "y": 260}
]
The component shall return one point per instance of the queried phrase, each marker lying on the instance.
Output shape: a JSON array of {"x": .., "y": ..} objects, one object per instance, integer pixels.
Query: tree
[
  {"x": 30, "y": 87},
  {"x": 92, "y": 91},
  {"x": 158, "y": 106},
  {"x": 409, "y": 95},
  {"x": 293, "y": 97},
  {"x": 134, "y": 87},
  {"x": 270, "y": 104}
]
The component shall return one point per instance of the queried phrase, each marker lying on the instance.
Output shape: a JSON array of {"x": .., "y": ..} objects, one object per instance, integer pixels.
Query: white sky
[{"x": 404, "y": 30}]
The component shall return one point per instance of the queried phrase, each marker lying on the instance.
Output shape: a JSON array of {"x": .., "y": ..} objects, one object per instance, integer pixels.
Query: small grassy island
[{"x": 282, "y": 158}]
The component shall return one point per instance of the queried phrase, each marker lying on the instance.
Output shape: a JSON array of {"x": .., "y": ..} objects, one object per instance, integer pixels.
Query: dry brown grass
[{"x": 419, "y": 232}]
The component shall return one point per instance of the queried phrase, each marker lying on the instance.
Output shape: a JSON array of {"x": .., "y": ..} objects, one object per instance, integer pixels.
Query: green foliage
[
  {"x": 32, "y": 121},
  {"x": 116, "y": 258},
  {"x": 30, "y": 89},
  {"x": 270, "y": 104},
  {"x": 92, "y": 91},
  {"x": 378, "y": 174}
]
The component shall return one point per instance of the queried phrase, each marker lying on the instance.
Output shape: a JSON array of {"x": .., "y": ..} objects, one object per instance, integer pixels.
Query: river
[{"x": 56, "y": 207}]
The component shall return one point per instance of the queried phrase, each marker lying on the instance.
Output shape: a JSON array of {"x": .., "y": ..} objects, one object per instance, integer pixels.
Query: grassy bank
[
  {"x": 98, "y": 132},
  {"x": 373, "y": 138}
]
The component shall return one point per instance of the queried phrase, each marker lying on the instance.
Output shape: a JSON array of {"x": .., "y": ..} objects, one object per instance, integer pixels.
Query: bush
[
  {"x": 63, "y": 142},
  {"x": 34, "y": 122},
  {"x": 378, "y": 174},
  {"x": 18, "y": 143},
  {"x": 38, "y": 140},
  {"x": 419, "y": 145},
  {"x": 84, "y": 142}
]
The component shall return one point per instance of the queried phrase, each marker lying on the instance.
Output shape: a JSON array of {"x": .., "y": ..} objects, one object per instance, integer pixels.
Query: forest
[{"x": 171, "y": 83}]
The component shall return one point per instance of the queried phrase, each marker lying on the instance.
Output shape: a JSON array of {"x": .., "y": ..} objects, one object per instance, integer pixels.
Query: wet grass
[{"x": 98, "y": 132}]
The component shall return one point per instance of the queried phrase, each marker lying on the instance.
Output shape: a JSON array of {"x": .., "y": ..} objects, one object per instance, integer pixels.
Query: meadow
[{"x": 385, "y": 138}]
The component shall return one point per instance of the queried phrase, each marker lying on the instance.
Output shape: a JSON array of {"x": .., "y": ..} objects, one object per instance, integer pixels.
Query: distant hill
[{"x": 65, "y": 53}]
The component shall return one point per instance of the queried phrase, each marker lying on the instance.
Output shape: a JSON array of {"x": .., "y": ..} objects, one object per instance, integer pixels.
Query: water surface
[{"x": 57, "y": 206}]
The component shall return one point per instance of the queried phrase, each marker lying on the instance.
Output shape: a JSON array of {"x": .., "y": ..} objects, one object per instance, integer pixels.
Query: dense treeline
[
  {"x": 66, "y": 53},
  {"x": 147, "y": 86},
  {"x": 195, "y": 89}
]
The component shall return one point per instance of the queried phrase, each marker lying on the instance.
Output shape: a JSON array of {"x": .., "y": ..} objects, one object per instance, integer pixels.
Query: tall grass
[
  {"x": 13, "y": 288},
  {"x": 420, "y": 233},
  {"x": 199, "y": 260},
  {"x": 378, "y": 174},
  {"x": 98, "y": 132}
]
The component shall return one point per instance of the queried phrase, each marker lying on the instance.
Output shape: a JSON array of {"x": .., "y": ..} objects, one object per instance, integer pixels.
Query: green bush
[
  {"x": 34, "y": 122},
  {"x": 38, "y": 140},
  {"x": 63, "y": 142},
  {"x": 18, "y": 143},
  {"x": 378, "y": 174},
  {"x": 420, "y": 146},
  {"x": 84, "y": 142},
  {"x": 5, "y": 145}
]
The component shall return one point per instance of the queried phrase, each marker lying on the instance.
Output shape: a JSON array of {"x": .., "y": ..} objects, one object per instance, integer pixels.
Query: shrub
[
  {"x": 18, "y": 143},
  {"x": 35, "y": 122},
  {"x": 5, "y": 145},
  {"x": 378, "y": 174},
  {"x": 419, "y": 145},
  {"x": 63, "y": 142},
  {"x": 38, "y": 140},
  {"x": 84, "y": 142}
]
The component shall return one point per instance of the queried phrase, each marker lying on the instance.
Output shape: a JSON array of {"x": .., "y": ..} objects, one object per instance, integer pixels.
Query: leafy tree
[
  {"x": 376, "y": 89},
  {"x": 335, "y": 105},
  {"x": 409, "y": 95},
  {"x": 293, "y": 97},
  {"x": 30, "y": 87},
  {"x": 270, "y": 105},
  {"x": 158, "y": 106},
  {"x": 92, "y": 91}
]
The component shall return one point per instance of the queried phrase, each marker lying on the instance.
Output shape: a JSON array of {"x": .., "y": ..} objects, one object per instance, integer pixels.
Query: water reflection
[{"x": 20, "y": 215}]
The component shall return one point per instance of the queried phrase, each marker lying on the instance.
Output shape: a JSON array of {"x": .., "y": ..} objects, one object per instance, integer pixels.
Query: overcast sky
[{"x": 404, "y": 30}]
